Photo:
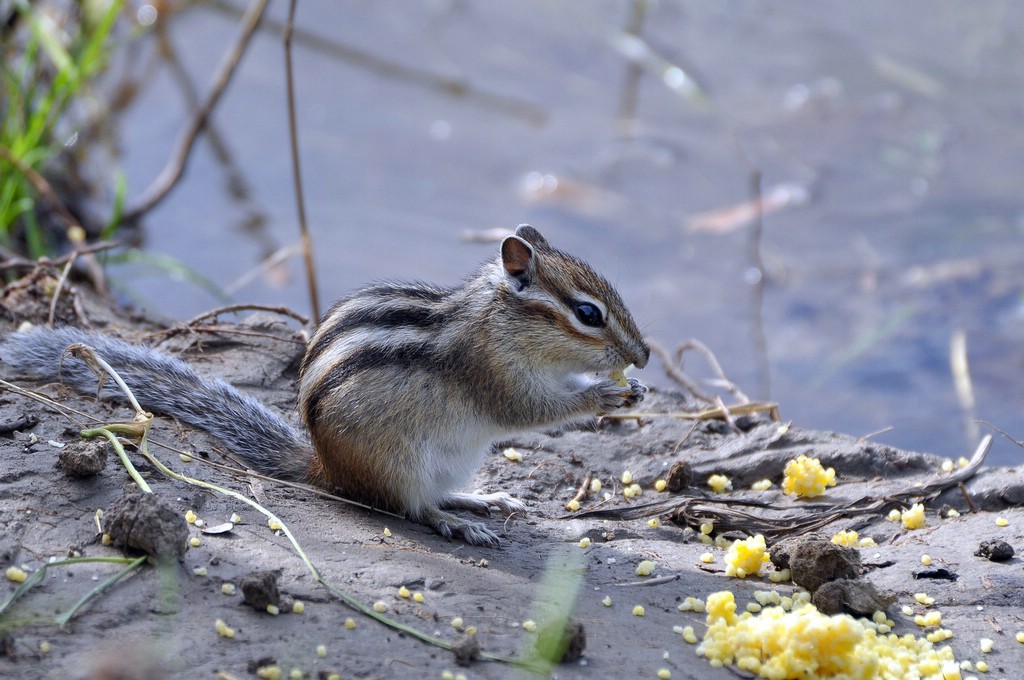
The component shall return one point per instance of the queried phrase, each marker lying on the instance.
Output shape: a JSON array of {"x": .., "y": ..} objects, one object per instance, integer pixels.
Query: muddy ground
[{"x": 161, "y": 623}]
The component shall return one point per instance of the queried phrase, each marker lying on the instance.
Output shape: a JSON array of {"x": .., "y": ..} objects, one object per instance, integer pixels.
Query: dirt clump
[
  {"x": 149, "y": 523},
  {"x": 815, "y": 560},
  {"x": 83, "y": 458},
  {"x": 260, "y": 589}
]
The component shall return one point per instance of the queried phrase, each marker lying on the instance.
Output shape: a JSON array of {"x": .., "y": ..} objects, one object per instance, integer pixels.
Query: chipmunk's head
[{"x": 564, "y": 312}]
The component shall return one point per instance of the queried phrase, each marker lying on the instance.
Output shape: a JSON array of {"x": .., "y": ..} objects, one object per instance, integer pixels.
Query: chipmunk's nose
[{"x": 642, "y": 356}]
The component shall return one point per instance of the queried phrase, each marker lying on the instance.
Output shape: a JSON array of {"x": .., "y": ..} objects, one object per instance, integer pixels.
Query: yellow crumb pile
[
  {"x": 804, "y": 644},
  {"x": 720, "y": 483},
  {"x": 746, "y": 557},
  {"x": 806, "y": 477},
  {"x": 853, "y": 540}
]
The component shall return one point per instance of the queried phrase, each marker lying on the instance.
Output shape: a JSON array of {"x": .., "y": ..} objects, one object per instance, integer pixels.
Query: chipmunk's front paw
[
  {"x": 614, "y": 395},
  {"x": 483, "y": 503}
]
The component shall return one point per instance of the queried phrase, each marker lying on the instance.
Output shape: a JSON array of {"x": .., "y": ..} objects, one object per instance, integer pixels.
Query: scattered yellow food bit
[
  {"x": 720, "y": 483},
  {"x": 780, "y": 576},
  {"x": 847, "y": 538},
  {"x": 926, "y": 560},
  {"x": 914, "y": 517},
  {"x": 664, "y": 673},
  {"x": 953, "y": 512},
  {"x": 200, "y": 523},
  {"x": 273, "y": 609},
  {"x": 512, "y": 455},
  {"x": 235, "y": 518},
  {"x": 585, "y": 542},
  {"x": 595, "y": 485},
  {"x": 275, "y": 524},
  {"x": 619, "y": 376},
  {"x": 962, "y": 462},
  {"x": 1019, "y": 637},
  {"x": 689, "y": 635},
  {"x": 227, "y": 588},
  {"x": 269, "y": 672},
  {"x": 660, "y": 485},
  {"x": 380, "y": 606},
  {"x": 981, "y": 667},
  {"x": 947, "y": 466},
  {"x": 636, "y": 489},
  {"x": 106, "y": 540},
  {"x": 195, "y": 542},
  {"x": 746, "y": 557},
  {"x": 199, "y": 571},
  {"x": 223, "y": 629},
  {"x": 654, "y": 522},
  {"x": 387, "y": 532},
  {"x": 185, "y": 458},
  {"x": 707, "y": 558},
  {"x": 404, "y": 592},
  {"x": 457, "y": 622},
  {"x": 321, "y": 651},
  {"x": 44, "y": 647},
  {"x": 986, "y": 644},
  {"x": 638, "y": 610},
  {"x": 298, "y": 607},
  {"x": 530, "y": 626},
  {"x": 691, "y": 604},
  {"x": 806, "y": 477},
  {"x": 417, "y": 597},
  {"x": 1002, "y": 521},
  {"x": 16, "y": 574},
  {"x": 705, "y": 539},
  {"x": 190, "y": 517},
  {"x": 930, "y": 620},
  {"x": 804, "y": 644},
  {"x": 350, "y": 623},
  {"x": 925, "y": 599},
  {"x": 894, "y": 515},
  {"x": 573, "y": 505},
  {"x": 762, "y": 485},
  {"x": 645, "y": 568},
  {"x": 627, "y": 477},
  {"x": 753, "y": 607},
  {"x": 706, "y": 528},
  {"x": 607, "y": 602},
  {"x": 447, "y": 675}
]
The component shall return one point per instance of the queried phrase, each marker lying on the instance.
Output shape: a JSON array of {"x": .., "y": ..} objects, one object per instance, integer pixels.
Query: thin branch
[{"x": 175, "y": 167}]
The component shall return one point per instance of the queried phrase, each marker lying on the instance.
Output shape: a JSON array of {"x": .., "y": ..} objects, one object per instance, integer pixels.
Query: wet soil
[{"x": 160, "y": 622}]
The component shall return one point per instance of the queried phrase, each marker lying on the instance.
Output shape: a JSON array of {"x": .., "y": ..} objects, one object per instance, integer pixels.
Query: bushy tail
[{"x": 163, "y": 384}]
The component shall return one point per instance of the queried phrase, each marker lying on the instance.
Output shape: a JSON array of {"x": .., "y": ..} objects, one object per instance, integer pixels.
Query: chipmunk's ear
[
  {"x": 518, "y": 258},
  {"x": 532, "y": 236}
]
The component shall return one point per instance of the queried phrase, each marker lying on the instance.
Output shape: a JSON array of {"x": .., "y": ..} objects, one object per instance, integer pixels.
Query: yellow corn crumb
[
  {"x": 627, "y": 477},
  {"x": 780, "y": 576},
  {"x": 707, "y": 558},
  {"x": 298, "y": 607},
  {"x": 321, "y": 651},
  {"x": 44, "y": 647},
  {"x": 981, "y": 667},
  {"x": 689, "y": 635},
  {"x": 660, "y": 485},
  {"x": 806, "y": 477},
  {"x": 636, "y": 489},
  {"x": 706, "y": 528},
  {"x": 847, "y": 538},
  {"x": 200, "y": 523},
  {"x": 930, "y": 620},
  {"x": 190, "y": 517},
  {"x": 947, "y": 466},
  {"x": 273, "y": 609},
  {"x": 925, "y": 599},
  {"x": 719, "y": 483},
  {"x": 953, "y": 512},
  {"x": 295, "y": 674},
  {"x": 447, "y": 675},
  {"x": 512, "y": 455},
  {"x": 607, "y": 602},
  {"x": 417, "y": 597},
  {"x": 530, "y": 626},
  {"x": 926, "y": 560},
  {"x": 1019, "y": 637},
  {"x": 235, "y": 518},
  {"x": 654, "y": 522},
  {"x": 619, "y": 376},
  {"x": 595, "y": 485},
  {"x": 628, "y": 492},
  {"x": 894, "y": 515},
  {"x": 350, "y": 623},
  {"x": 275, "y": 524},
  {"x": 227, "y": 588},
  {"x": 16, "y": 574},
  {"x": 573, "y": 505},
  {"x": 195, "y": 542},
  {"x": 914, "y": 517},
  {"x": 645, "y": 568},
  {"x": 457, "y": 622},
  {"x": 753, "y": 607},
  {"x": 986, "y": 644},
  {"x": 223, "y": 629},
  {"x": 404, "y": 592},
  {"x": 638, "y": 610},
  {"x": 762, "y": 485},
  {"x": 746, "y": 557},
  {"x": 387, "y": 532},
  {"x": 691, "y": 604},
  {"x": 705, "y": 539},
  {"x": 269, "y": 672},
  {"x": 1002, "y": 521},
  {"x": 804, "y": 643},
  {"x": 199, "y": 571},
  {"x": 106, "y": 540},
  {"x": 380, "y": 606},
  {"x": 664, "y": 673},
  {"x": 585, "y": 542}
]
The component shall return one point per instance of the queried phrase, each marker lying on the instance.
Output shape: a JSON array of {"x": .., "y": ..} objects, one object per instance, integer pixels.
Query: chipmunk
[{"x": 404, "y": 388}]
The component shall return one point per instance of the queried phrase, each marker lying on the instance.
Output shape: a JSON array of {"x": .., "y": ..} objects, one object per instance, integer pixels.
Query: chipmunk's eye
[{"x": 589, "y": 314}]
